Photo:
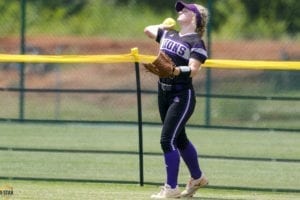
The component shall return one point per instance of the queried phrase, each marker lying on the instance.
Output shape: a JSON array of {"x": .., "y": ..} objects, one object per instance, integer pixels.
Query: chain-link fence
[
  {"x": 102, "y": 93},
  {"x": 241, "y": 98}
]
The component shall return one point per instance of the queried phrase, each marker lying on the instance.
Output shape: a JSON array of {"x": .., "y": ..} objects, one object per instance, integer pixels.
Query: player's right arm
[{"x": 152, "y": 30}]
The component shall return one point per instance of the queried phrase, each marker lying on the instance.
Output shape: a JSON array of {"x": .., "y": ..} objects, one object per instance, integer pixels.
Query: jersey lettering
[
  {"x": 174, "y": 47},
  {"x": 182, "y": 50}
]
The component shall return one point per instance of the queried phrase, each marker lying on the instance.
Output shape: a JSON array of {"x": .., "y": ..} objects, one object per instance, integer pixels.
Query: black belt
[{"x": 175, "y": 87}]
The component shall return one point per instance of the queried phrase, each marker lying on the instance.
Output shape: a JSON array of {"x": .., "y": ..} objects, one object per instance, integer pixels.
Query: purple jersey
[{"x": 181, "y": 49}]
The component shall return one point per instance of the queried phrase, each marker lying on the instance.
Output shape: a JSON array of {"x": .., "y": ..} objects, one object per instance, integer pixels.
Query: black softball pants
[{"x": 175, "y": 108}]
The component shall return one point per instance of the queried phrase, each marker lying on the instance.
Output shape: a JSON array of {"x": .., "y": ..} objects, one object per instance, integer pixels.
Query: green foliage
[
  {"x": 275, "y": 16},
  {"x": 255, "y": 18},
  {"x": 230, "y": 18},
  {"x": 93, "y": 18},
  {"x": 157, "y": 6},
  {"x": 70, "y": 6},
  {"x": 10, "y": 17}
]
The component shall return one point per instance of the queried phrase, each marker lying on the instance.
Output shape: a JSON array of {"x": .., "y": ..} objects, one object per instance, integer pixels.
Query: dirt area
[
  {"x": 85, "y": 74},
  {"x": 256, "y": 49}
]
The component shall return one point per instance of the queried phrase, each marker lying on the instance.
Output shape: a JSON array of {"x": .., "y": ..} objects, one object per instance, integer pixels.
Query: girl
[{"x": 176, "y": 96}]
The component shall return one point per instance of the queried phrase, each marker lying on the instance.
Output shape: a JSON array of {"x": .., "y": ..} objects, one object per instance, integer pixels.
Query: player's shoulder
[
  {"x": 167, "y": 31},
  {"x": 172, "y": 31},
  {"x": 195, "y": 40},
  {"x": 163, "y": 33}
]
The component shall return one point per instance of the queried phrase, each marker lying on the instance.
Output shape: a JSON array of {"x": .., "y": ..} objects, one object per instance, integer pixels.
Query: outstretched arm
[
  {"x": 192, "y": 69},
  {"x": 151, "y": 31}
]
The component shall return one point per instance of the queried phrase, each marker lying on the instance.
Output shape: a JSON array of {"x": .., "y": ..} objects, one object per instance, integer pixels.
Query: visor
[{"x": 181, "y": 5}]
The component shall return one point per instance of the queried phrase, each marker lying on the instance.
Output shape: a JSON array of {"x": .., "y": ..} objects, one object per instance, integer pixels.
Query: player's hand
[{"x": 162, "y": 66}]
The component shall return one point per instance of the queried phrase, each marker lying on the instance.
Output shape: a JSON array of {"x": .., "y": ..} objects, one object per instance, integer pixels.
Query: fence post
[
  {"x": 134, "y": 51},
  {"x": 208, "y": 70},
  {"x": 22, "y": 65}
]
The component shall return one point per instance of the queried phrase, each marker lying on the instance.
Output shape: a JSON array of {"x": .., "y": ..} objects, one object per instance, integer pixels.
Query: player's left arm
[{"x": 193, "y": 68}]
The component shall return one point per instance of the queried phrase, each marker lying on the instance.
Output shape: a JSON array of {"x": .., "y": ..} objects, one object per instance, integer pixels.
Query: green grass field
[
  {"x": 42, "y": 151},
  {"x": 89, "y": 191},
  {"x": 224, "y": 112}
]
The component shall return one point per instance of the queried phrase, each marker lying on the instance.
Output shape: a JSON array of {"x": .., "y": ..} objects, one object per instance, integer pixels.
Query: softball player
[{"x": 176, "y": 96}]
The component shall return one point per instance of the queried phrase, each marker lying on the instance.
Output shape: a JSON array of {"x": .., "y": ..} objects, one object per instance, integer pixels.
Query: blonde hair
[{"x": 201, "y": 28}]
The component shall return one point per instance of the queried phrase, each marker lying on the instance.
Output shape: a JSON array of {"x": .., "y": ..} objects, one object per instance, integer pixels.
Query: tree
[
  {"x": 277, "y": 16},
  {"x": 72, "y": 6}
]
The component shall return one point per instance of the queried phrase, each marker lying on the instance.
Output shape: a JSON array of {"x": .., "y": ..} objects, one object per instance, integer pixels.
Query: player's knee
[{"x": 166, "y": 146}]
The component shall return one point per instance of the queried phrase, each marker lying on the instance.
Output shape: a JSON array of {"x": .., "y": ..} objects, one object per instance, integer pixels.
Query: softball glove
[{"x": 162, "y": 66}]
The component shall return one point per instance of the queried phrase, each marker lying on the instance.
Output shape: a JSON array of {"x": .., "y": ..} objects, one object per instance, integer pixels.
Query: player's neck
[{"x": 190, "y": 29}]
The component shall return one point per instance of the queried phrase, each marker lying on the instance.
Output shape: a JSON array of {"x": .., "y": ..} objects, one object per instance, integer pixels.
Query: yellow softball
[{"x": 169, "y": 22}]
